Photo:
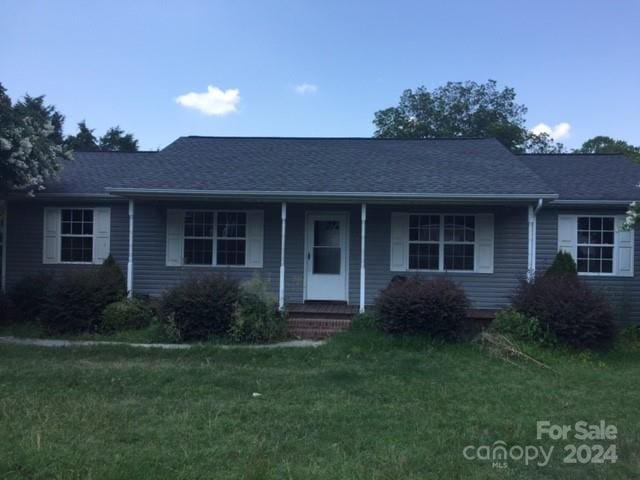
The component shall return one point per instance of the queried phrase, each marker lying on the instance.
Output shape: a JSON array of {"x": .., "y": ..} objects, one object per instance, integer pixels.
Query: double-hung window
[
  {"x": 219, "y": 236},
  {"x": 599, "y": 244},
  {"x": 595, "y": 244},
  {"x": 442, "y": 242},
  {"x": 76, "y": 234}
]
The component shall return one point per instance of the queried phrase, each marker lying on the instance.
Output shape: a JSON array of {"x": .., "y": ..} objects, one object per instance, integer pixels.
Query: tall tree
[
  {"x": 604, "y": 144},
  {"x": 542, "y": 143},
  {"x": 84, "y": 140},
  {"x": 117, "y": 140},
  {"x": 456, "y": 109},
  {"x": 31, "y": 143}
]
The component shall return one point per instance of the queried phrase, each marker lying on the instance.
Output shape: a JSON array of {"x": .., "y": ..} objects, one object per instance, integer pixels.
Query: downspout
[
  {"x": 283, "y": 217},
  {"x": 363, "y": 221},
  {"x": 533, "y": 227},
  {"x": 130, "y": 261}
]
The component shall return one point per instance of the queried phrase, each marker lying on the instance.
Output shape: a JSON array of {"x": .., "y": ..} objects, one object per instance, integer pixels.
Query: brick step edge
[
  {"x": 325, "y": 323},
  {"x": 302, "y": 314}
]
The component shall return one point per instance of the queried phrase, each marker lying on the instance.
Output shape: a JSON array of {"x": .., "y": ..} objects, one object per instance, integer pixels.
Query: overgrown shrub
[
  {"x": 364, "y": 322},
  {"x": 201, "y": 307},
  {"x": 256, "y": 318},
  {"x": 127, "y": 314},
  {"x": 29, "y": 296},
  {"x": 519, "y": 326},
  {"x": 565, "y": 306},
  {"x": 75, "y": 301},
  {"x": 437, "y": 307},
  {"x": 4, "y": 308},
  {"x": 563, "y": 264}
]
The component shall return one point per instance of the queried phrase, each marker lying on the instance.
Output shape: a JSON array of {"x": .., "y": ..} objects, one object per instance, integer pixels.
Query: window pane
[
  {"x": 607, "y": 237},
  {"x": 458, "y": 257},
  {"x": 607, "y": 266},
  {"x": 607, "y": 223},
  {"x": 76, "y": 249},
  {"x": 595, "y": 237},
  {"x": 459, "y": 228},
  {"x": 231, "y": 252},
  {"x": 198, "y": 252},
  {"x": 595, "y": 223},
  {"x": 326, "y": 233},
  {"x": 326, "y": 260},
  {"x": 232, "y": 224},
  {"x": 583, "y": 223},
  {"x": 424, "y": 256},
  {"x": 582, "y": 265},
  {"x": 198, "y": 224}
]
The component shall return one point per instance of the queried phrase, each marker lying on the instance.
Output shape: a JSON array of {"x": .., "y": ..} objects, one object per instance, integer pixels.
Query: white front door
[{"x": 326, "y": 256}]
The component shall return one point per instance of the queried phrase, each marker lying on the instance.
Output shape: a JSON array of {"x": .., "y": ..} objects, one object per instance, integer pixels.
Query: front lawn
[{"x": 363, "y": 406}]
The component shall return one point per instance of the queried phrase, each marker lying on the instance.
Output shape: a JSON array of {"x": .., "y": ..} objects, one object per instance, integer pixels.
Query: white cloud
[
  {"x": 305, "y": 88},
  {"x": 557, "y": 132},
  {"x": 212, "y": 102}
]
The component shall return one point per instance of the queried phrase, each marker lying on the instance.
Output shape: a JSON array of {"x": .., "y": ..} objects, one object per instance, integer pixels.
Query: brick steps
[{"x": 317, "y": 328}]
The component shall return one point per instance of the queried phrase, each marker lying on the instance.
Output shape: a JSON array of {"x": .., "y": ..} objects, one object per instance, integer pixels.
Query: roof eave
[{"x": 332, "y": 196}]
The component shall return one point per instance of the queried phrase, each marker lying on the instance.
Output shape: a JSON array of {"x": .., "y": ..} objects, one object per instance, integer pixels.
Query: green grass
[{"x": 363, "y": 406}]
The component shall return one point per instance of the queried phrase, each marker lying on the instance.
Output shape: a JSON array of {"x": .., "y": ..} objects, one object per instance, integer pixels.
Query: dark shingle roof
[
  {"x": 434, "y": 166},
  {"x": 588, "y": 177}
]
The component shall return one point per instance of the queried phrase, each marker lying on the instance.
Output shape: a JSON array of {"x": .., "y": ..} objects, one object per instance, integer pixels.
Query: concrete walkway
[{"x": 38, "y": 342}]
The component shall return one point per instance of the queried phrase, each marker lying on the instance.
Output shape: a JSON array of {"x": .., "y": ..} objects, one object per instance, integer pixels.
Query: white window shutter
[
  {"x": 568, "y": 234},
  {"x": 255, "y": 238},
  {"x": 399, "y": 254},
  {"x": 175, "y": 237},
  {"x": 101, "y": 234},
  {"x": 624, "y": 240},
  {"x": 51, "y": 236},
  {"x": 484, "y": 243}
]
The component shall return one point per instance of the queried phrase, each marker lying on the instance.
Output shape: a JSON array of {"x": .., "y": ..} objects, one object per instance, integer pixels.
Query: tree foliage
[
  {"x": 608, "y": 145},
  {"x": 84, "y": 140},
  {"x": 463, "y": 109},
  {"x": 117, "y": 140},
  {"x": 114, "y": 140},
  {"x": 31, "y": 143}
]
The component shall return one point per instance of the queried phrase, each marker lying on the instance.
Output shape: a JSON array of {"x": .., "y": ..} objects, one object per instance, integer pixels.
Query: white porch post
[
  {"x": 363, "y": 220},
  {"x": 283, "y": 216},
  {"x": 130, "y": 260},
  {"x": 533, "y": 228}
]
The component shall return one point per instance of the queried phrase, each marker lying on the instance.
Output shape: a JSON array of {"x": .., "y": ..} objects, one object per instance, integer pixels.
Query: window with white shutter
[
  {"x": 215, "y": 238},
  {"x": 76, "y": 235}
]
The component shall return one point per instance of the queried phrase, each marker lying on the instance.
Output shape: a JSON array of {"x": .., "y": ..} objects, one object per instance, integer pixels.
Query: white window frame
[
  {"x": 214, "y": 239},
  {"x": 613, "y": 245},
  {"x": 72, "y": 235},
  {"x": 441, "y": 242}
]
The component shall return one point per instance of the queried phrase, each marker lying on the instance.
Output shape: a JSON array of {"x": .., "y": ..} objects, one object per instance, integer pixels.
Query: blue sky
[{"x": 126, "y": 63}]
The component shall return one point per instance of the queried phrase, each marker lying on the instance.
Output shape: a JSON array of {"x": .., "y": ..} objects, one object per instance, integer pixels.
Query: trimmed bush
[
  {"x": 566, "y": 307},
  {"x": 127, "y": 314},
  {"x": 518, "y": 326},
  {"x": 256, "y": 318},
  {"x": 76, "y": 300},
  {"x": 563, "y": 264},
  {"x": 201, "y": 307},
  {"x": 29, "y": 296},
  {"x": 437, "y": 307}
]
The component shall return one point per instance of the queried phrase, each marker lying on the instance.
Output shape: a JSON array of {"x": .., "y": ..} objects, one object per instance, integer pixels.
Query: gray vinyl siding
[
  {"x": 623, "y": 291},
  {"x": 484, "y": 290},
  {"x": 152, "y": 276},
  {"x": 25, "y": 222}
]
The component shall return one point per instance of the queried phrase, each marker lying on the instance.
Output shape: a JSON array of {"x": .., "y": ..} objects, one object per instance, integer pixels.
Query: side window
[
  {"x": 595, "y": 244},
  {"x": 76, "y": 235}
]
